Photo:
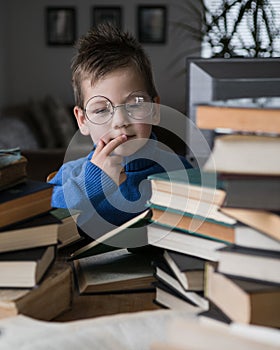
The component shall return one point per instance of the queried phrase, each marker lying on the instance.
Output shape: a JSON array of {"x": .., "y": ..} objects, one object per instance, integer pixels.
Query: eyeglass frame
[{"x": 115, "y": 107}]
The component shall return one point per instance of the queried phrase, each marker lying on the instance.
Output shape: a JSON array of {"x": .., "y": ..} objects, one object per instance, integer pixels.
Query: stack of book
[
  {"x": 242, "y": 275},
  {"x": 31, "y": 278},
  {"x": 187, "y": 225},
  {"x": 247, "y": 161}
]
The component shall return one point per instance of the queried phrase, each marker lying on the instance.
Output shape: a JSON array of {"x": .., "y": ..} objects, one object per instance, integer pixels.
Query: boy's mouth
[{"x": 128, "y": 137}]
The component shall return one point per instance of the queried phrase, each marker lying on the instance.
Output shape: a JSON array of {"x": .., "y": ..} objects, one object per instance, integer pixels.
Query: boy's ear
[
  {"x": 81, "y": 120},
  {"x": 156, "y": 114}
]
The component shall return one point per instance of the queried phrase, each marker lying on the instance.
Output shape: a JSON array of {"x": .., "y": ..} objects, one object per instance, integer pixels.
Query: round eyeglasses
[{"x": 99, "y": 109}]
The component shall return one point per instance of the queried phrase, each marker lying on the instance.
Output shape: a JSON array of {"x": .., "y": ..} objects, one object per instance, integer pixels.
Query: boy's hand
[{"x": 104, "y": 158}]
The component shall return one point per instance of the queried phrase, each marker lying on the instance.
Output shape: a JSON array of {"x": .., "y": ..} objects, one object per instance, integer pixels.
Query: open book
[{"x": 132, "y": 234}]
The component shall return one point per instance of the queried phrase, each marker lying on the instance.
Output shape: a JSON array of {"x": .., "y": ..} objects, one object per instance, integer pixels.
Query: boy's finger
[
  {"x": 100, "y": 146},
  {"x": 113, "y": 144}
]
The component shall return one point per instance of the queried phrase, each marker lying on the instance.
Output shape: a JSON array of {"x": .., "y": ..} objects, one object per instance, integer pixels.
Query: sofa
[{"x": 42, "y": 129}]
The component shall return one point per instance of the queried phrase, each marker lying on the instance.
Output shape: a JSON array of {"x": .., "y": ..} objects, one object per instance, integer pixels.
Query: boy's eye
[
  {"x": 134, "y": 105},
  {"x": 100, "y": 111}
]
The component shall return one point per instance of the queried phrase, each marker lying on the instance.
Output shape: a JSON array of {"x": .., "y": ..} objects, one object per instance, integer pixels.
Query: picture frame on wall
[
  {"x": 152, "y": 24},
  {"x": 60, "y": 25},
  {"x": 107, "y": 14}
]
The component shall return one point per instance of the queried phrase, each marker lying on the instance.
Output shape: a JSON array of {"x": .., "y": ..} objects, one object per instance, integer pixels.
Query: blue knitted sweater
[{"x": 82, "y": 185}]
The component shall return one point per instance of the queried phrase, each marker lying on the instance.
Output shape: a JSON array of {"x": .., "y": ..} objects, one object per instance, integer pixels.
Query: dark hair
[{"x": 104, "y": 49}]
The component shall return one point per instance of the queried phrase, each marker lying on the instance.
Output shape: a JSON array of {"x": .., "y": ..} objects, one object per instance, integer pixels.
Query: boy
[{"x": 116, "y": 104}]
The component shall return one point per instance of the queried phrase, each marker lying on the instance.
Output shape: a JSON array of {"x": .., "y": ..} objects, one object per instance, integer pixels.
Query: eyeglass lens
[{"x": 99, "y": 109}]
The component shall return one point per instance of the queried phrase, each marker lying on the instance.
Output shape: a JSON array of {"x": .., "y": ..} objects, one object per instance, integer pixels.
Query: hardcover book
[
  {"x": 24, "y": 201},
  {"x": 166, "y": 238},
  {"x": 117, "y": 270},
  {"x": 37, "y": 231},
  {"x": 252, "y": 192},
  {"x": 51, "y": 297},
  {"x": 242, "y": 300},
  {"x": 257, "y": 264},
  {"x": 189, "y": 183},
  {"x": 25, "y": 268},
  {"x": 245, "y": 154},
  {"x": 251, "y": 115}
]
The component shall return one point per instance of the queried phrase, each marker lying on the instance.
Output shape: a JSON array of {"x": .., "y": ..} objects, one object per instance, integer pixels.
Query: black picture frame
[
  {"x": 107, "y": 14},
  {"x": 152, "y": 24},
  {"x": 60, "y": 25}
]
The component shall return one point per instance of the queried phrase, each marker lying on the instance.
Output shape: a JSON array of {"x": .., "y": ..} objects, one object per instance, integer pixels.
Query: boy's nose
[{"x": 120, "y": 117}]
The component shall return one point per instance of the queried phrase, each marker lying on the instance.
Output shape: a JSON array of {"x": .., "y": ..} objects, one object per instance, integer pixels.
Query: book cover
[
  {"x": 252, "y": 192},
  {"x": 118, "y": 270},
  {"x": 257, "y": 264},
  {"x": 24, "y": 201},
  {"x": 262, "y": 220},
  {"x": 242, "y": 300},
  {"x": 131, "y": 234},
  {"x": 25, "y": 268},
  {"x": 37, "y": 231}
]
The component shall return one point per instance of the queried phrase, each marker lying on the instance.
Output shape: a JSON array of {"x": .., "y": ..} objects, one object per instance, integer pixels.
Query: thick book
[
  {"x": 257, "y": 264},
  {"x": 37, "y": 231},
  {"x": 24, "y": 201},
  {"x": 245, "y": 154},
  {"x": 13, "y": 173},
  {"x": 45, "y": 302},
  {"x": 244, "y": 301},
  {"x": 131, "y": 234},
  {"x": 166, "y": 238},
  {"x": 264, "y": 221},
  {"x": 189, "y": 270},
  {"x": 194, "y": 225},
  {"x": 249, "y": 237},
  {"x": 118, "y": 270},
  {"x": 252, "y": 192},
  {"x": 188, "y": 184},
  {"x": 240, "y": 115},
  {"x": 25, "y": 268}
]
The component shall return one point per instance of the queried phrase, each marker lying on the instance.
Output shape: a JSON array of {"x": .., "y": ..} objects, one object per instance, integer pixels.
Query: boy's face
[{"x": 117, "y": 86}]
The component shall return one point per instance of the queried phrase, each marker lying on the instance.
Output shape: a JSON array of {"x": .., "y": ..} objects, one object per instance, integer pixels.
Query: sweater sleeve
[{"x": 79, "y": 183}]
